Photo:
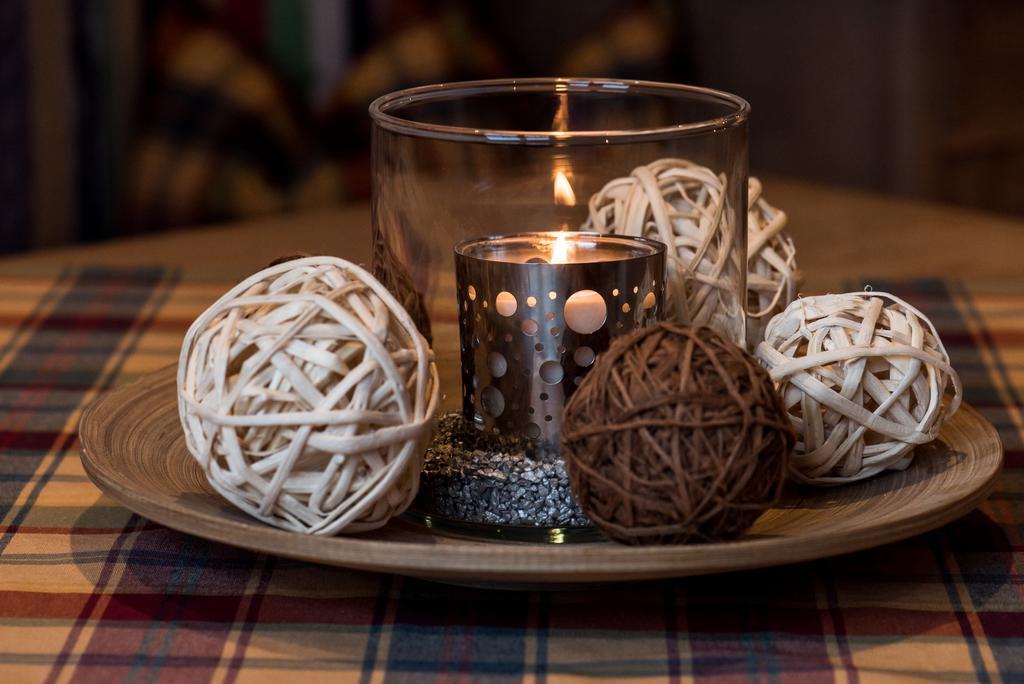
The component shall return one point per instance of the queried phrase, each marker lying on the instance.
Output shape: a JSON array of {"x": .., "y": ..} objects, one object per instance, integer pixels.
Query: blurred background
[{"x": 130, "y": 116}]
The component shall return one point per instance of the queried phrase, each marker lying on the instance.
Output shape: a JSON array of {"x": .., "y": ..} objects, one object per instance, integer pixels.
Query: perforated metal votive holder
[{"x": 530, "y": 329}]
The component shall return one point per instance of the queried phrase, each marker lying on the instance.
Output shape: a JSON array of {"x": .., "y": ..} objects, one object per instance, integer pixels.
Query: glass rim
[
  {"x": 382, "y": 110},
  {"x": 467, "y": 249}
]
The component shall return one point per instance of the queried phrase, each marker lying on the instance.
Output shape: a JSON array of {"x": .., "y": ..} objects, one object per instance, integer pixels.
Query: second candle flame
[{"x": 565, "y": 196}]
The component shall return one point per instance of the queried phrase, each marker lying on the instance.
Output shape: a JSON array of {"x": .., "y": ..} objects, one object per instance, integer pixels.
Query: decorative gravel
[{"x": 473, "y": 476}]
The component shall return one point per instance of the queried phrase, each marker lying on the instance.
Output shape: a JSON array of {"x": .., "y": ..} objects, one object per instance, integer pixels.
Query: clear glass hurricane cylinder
[{"x": 457, "y": 161}]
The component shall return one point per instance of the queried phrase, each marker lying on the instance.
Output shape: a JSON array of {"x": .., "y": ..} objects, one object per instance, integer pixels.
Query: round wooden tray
[{"x": 133, "y": 449}]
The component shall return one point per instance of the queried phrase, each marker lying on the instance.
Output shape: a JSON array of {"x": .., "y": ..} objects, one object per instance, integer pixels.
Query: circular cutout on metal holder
[
  {"x": 505, "y": 303},
  {"x": 585, "y": 311},
  {"x": 492, "y": 401},
  {"x": 551, "y": 372},
  {"x": 584, "y": 356},
  {"x": 497, "y": 364}
]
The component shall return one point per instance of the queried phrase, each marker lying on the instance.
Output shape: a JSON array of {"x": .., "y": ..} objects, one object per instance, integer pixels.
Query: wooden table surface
[{"x": 840, "y": 234}]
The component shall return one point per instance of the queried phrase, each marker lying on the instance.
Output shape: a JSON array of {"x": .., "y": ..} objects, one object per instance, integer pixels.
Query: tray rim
[{"x": 544, "y": 563}]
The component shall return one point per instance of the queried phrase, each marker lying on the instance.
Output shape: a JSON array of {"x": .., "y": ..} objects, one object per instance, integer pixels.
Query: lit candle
[
  {"x": 536, "y": 308},
  {"x": 560, "y": 251}
]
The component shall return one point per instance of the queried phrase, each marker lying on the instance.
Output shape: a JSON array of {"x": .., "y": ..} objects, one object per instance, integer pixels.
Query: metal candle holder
[{"x": 534, "y": 311}]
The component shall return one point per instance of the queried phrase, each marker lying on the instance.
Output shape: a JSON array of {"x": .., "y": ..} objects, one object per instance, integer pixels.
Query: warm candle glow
[
  {"x": 564, "y": 194},
  {"x": 585, "y": 311},
  {"x": 505, "y": 303},
  {"x": 560, "y": 251}
]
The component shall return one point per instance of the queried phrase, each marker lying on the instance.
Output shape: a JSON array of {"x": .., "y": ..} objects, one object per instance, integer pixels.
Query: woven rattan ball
[
  {"x": 683, "y": 205},
  {"x": 772, "y": 275},
  {"x": 863, "y": 376},
  {"x": 676, "y": 435},
  {"x": 307, "y": 395}
]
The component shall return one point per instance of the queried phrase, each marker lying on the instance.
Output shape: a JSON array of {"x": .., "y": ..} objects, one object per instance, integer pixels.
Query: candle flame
[
  {"x": 564, "y": 194},
  {"x": 560, "y": 251}
]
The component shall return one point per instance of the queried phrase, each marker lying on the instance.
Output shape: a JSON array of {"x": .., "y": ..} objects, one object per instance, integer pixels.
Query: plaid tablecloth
[{"x": 91, "y": 592}]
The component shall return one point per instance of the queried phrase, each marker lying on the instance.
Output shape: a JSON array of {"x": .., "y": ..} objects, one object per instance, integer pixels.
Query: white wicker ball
[
  {"x": 773, "y": 278},
  {"x": 683, "y": 205},
  {"x": 307, "y": 395},
  {"x": 863, "y": 376}
]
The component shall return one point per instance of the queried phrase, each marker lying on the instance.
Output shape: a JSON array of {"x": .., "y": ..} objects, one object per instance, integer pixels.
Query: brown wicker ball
[{"x": 676, "y": 435}]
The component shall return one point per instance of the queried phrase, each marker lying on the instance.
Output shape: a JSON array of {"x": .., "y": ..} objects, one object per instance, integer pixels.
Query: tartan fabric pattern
[{"x": 91, "y": 592}]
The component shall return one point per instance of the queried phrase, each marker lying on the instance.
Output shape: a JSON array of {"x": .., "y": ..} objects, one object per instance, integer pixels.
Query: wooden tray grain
[{"x": 133, "y": 449}]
